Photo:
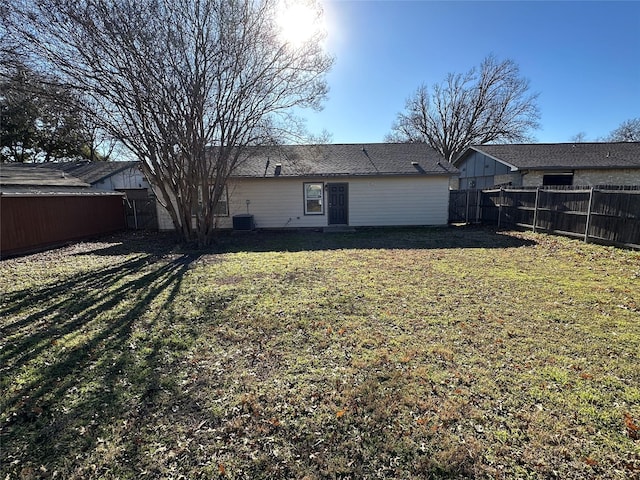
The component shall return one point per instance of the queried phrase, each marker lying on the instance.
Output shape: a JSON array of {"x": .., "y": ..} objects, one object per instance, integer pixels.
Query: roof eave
[{"x": 359, "y": 175}]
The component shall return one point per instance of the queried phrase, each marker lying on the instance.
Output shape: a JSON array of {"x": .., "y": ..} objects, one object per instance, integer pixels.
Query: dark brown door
[{"x": 338, "y": 203}]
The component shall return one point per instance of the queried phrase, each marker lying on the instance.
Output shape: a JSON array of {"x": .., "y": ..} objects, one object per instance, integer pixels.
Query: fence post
[
  {"x": 535, "y": 210},
  {"x": 466, "y": 209},
  {"x": 135, "y": 215},
  {"x": 500, "y": 207},
  {"x": 478, "y": 208},
  {"x": 586, "y": 228}
]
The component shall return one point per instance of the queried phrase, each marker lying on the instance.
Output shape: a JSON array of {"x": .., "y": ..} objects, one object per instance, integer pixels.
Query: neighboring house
[
  {"x": 314, "y": 186},
  {"x": 125, "y": 177},
  {"x": 121, "y": 176},
  {"x": 43, "y": 207},
  {"x": 533, "y": 165}
]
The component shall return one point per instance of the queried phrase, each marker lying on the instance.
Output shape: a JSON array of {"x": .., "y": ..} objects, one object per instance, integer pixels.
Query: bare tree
[
  {"x": 489, "y": 104},
  {"x": 186, "y": 85},
  {"x": 579, "y": 137},
  {"x": 628, "y": 131}
]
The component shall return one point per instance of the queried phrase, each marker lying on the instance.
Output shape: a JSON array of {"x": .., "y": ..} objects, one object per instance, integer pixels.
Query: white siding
[
  {"x": 273, "y": 202},
  {"x": 392, "y": 201},
  {"x": 373, "y": 201},
  {"x": 164, "y": 219}
]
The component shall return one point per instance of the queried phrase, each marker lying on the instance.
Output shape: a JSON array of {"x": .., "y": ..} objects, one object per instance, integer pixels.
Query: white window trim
[{"x": 306, "y": 198}]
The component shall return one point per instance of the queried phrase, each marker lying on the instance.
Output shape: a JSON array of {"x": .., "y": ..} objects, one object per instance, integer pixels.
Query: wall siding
[
  {"x": 131, "y": 178},
  {"x": 273, "y": 202},
  {"x": 373, "y": 201},
  {"x": 481, "y": 170},
  {"x": 399, "y": 201}
]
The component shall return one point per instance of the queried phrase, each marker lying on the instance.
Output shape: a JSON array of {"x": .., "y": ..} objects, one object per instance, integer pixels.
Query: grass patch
[{"x": 410, "y": 353}]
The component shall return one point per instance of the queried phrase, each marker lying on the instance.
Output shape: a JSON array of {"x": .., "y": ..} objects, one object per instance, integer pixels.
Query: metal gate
[
  {"x": 141, "y": 214},
  {"x": 465, "y": 206}
]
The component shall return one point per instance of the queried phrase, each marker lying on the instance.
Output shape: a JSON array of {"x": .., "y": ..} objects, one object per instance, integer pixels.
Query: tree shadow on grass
[
  {"x": 93, "y": 365},
  {"x": 78, "y": 354},
  {"x": 418, "y": 238}
]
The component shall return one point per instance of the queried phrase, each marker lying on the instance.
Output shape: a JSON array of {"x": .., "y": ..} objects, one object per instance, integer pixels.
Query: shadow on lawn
[
  {"x": 69, "y": 365},
  {"x": 166, "y": 244},
  {"x": 92, "y": 364},
  {"x": 370, "y": 238}
]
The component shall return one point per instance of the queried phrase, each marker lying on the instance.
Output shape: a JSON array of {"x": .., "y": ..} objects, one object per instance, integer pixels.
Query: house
[
  {"x": 316, "y": 186},
  {"x": 43, "y": 207},
  {"x": 111, "y": 176},
  {"x": 533, "y": 165}
]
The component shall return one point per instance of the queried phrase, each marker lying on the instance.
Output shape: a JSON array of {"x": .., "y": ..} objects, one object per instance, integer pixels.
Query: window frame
[
  {"x": 224, "y": 198},
  {"x": 559, "y": 179},
  {"x": 307, "y": 199}
]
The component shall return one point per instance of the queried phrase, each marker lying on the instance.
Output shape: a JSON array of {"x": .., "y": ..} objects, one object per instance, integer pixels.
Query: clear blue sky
[{"x": 583, "y": 58}]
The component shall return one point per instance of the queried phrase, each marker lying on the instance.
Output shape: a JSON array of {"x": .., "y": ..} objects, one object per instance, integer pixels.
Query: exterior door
[{"x": 338, "y": 203}]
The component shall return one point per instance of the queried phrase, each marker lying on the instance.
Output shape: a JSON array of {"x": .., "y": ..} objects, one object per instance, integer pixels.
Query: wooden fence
[
  {"x": 35, "y": 222},
  {"x": 592, "y": 214}
]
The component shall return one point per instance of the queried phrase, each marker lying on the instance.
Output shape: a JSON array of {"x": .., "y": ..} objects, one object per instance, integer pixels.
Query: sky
[{"x": 582, "y": 58}]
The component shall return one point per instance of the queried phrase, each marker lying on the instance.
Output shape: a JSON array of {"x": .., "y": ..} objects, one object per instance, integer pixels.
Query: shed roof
[
  {"x": 549, "y": 156},
  {"x": 328, "y": 160},
  {"x": 90, "y": 172},
  {"x": 32, "y": 177}
]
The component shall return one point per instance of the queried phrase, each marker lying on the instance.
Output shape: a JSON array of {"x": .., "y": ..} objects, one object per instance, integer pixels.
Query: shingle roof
[
  {"x": 31, "y": 177},
  {"x": 344, "y": 160},
  {"x": 565, "y": 155},
  {"x": 324, "y": 160},
  {"x": 90, "y": 172}
]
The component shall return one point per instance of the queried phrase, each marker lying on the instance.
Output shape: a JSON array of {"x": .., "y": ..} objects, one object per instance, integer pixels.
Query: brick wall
[{"x": 588, "y": 177}]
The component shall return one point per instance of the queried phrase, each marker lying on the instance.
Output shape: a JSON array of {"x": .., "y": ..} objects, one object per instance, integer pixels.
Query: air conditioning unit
[{"x": 243, "y": 222}]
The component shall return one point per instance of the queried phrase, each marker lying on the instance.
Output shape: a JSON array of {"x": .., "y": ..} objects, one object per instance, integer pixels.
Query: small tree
[
  {"x": 489, "y": 104},
  {"x": 186, "y": 85},
  {"x": 628, "y": 131}
]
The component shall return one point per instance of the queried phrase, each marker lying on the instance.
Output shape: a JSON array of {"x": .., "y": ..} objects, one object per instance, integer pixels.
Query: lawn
[{"x": 410, "y": 353}]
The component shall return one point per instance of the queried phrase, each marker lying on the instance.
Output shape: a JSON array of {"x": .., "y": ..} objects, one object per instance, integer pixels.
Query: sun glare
[{"x": 298, "y": 20}]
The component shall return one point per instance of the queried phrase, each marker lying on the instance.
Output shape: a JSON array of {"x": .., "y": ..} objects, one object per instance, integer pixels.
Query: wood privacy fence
[
  {"x": 35, "y": 222},
  {"x": 600, "y": 215}
]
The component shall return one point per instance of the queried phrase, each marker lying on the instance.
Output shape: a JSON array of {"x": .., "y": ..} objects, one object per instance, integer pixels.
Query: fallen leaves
[{"x": 633, "y": 431}]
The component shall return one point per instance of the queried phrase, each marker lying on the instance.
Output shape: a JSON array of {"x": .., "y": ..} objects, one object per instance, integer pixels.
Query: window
[
  {"x": 313, "y": 195},
  {"x": 222, "y": 208},
  {"x": 558, "y": 179}
]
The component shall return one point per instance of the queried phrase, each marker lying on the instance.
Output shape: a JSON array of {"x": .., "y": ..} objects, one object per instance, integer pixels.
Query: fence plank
[
  {"x": 603, "y": 215},
  {"x": 586, "y": 228}
]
